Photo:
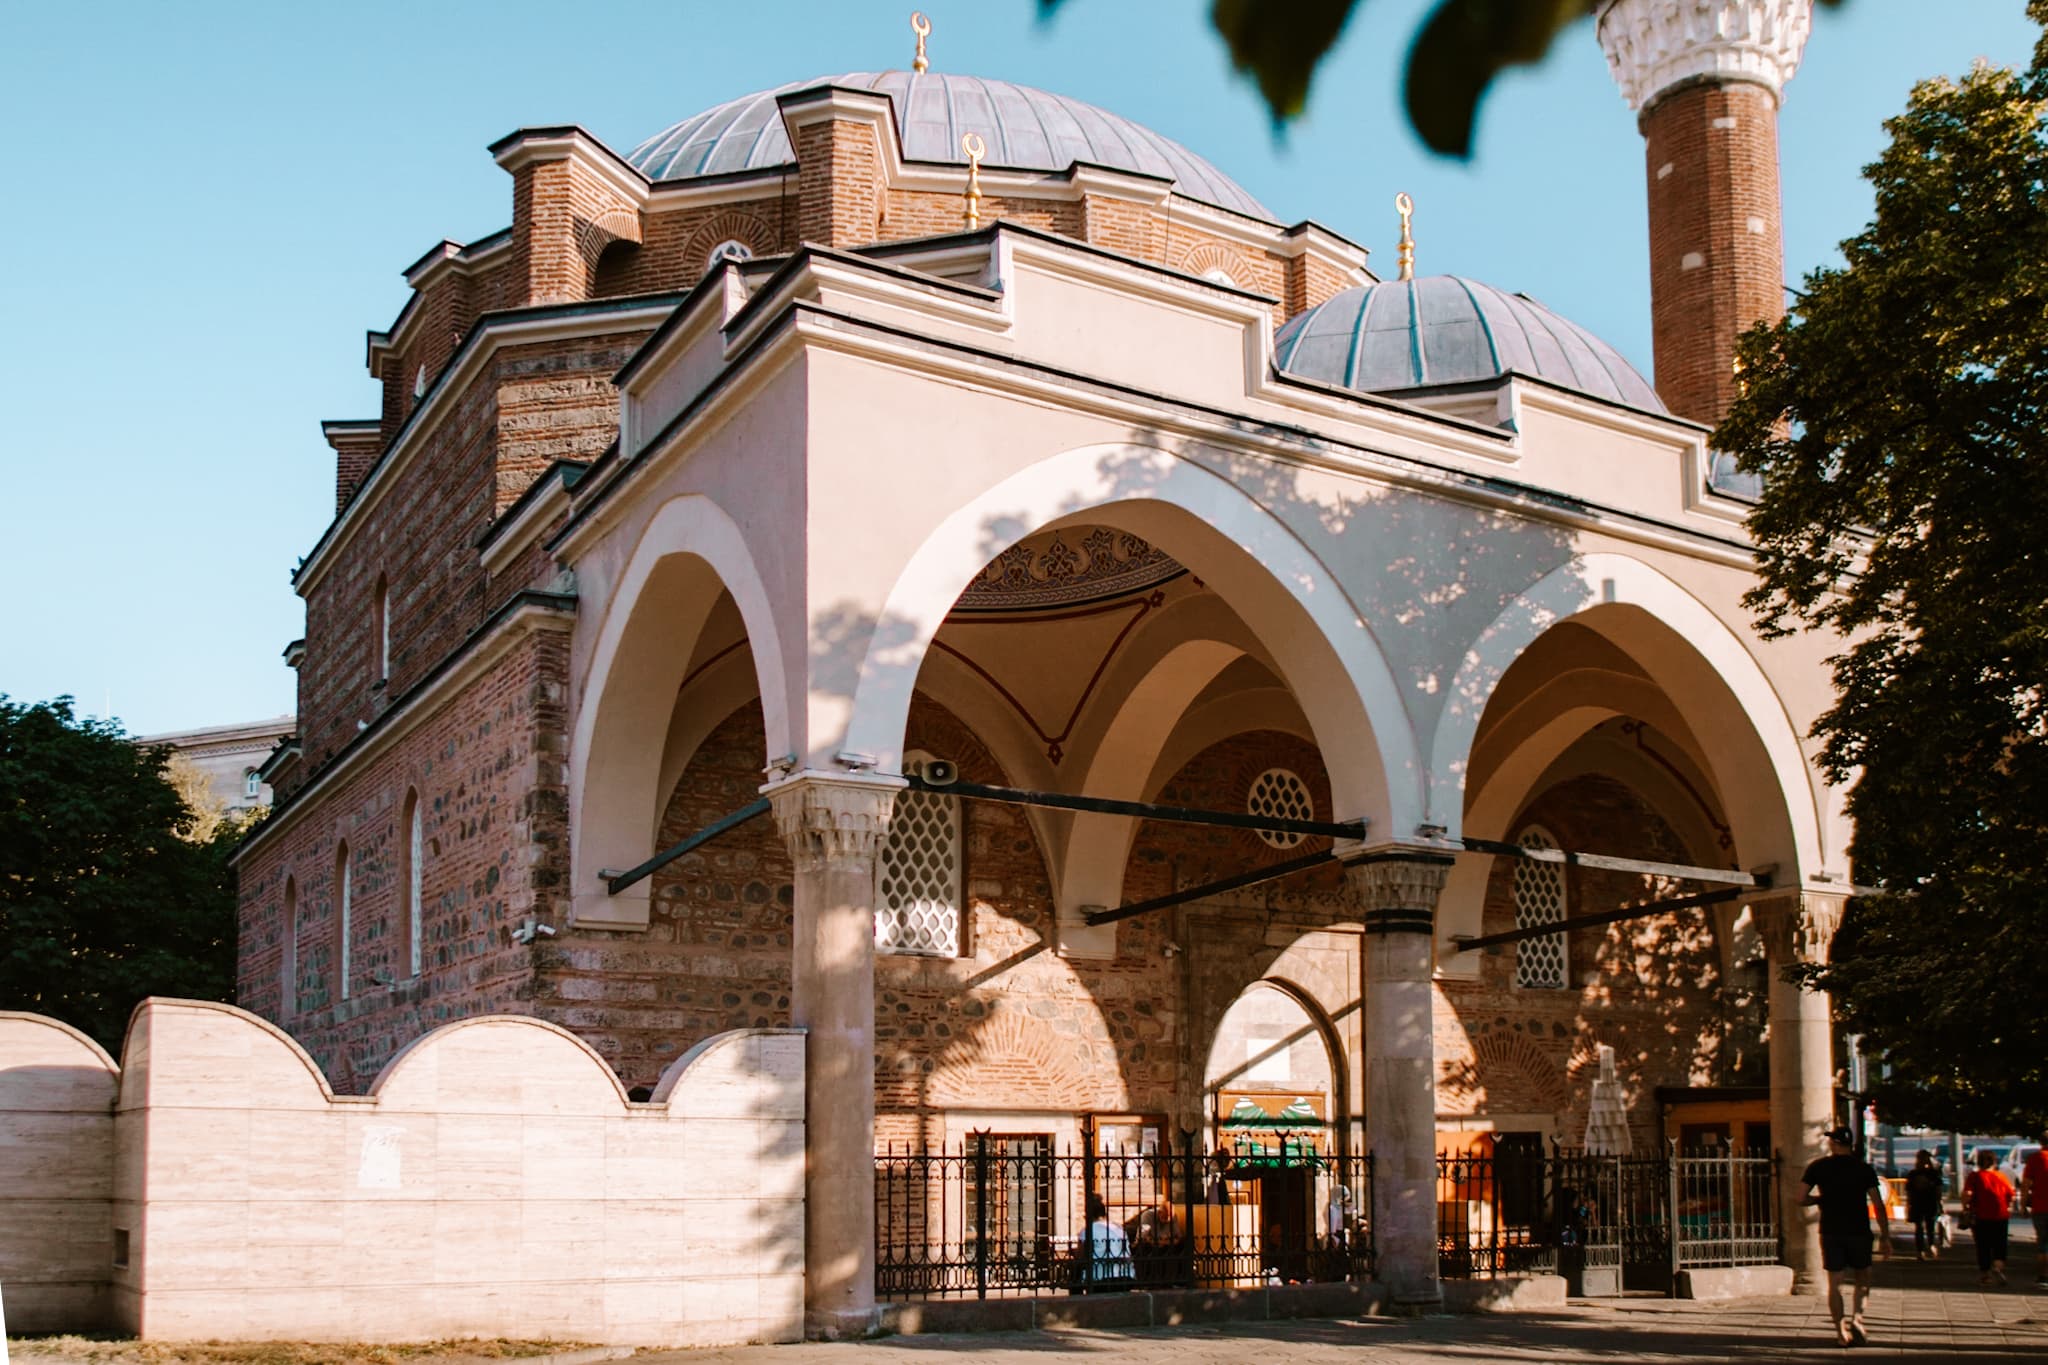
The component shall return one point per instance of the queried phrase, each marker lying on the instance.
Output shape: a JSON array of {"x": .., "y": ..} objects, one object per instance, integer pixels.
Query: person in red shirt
[
  {"x": 2034, "y": 1193},
  {"x": 1988, "y": 1196}
]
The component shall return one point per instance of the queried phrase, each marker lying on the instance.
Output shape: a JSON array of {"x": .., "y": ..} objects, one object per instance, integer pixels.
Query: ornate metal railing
[{"x": 1007, "y": 1214}]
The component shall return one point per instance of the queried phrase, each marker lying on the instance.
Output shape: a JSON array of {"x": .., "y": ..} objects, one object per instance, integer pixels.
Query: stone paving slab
[{"x": 1919, "y": 1311}]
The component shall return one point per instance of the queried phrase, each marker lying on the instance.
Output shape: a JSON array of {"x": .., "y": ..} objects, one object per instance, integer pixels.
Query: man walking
[
  {"x": 1847, "y": 1189},
  {"x": 2034, "y": 1194}
]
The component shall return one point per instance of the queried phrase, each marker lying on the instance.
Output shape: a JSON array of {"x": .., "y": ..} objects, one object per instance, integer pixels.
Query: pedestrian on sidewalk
[
  {"x": 1988, "y": 1195},
  {"x": 2034, "y": 1194},
  {"x": 1847, "y": 1189},
  {"x": 1923, "y": 1204}
]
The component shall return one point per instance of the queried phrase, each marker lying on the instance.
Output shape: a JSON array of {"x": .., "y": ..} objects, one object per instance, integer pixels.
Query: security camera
[{"x": 937, "y": 772}]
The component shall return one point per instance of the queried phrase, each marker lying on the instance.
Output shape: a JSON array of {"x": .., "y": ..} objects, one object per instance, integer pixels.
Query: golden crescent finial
[
  {"x": 976, "y": 149},
  {"x": 922, "y": 27},
  {"x": 1405, "y": 206}
]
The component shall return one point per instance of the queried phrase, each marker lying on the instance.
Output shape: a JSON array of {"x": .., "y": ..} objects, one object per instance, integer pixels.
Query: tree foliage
[
  {"x": 1457, "y": 53},
  {"x": 106, "y": 895},
  {"x": 1899, "y": 418}
]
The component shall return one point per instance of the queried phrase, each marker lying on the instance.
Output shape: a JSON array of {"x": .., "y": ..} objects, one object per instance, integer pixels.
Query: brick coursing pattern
[
  {"x": 492, "y": 787},
  {"x": 1717, "y": 255},
  {"x": 1656, "y": 993},
  {"x": 533, "y": 405}
]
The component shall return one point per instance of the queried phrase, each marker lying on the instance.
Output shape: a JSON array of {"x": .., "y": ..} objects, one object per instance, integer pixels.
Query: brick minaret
[{"x": 1705, "y": 77}]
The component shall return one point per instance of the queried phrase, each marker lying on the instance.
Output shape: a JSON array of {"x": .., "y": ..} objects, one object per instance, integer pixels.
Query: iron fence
[
  {"x": 1008, "y": 1215},
  {"x": 1605, "y": 1222}
]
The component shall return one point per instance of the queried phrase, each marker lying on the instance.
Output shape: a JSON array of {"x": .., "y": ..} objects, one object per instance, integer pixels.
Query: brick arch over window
[
  {"x": 594, "y": 236},
  {"x": 1506, "y": 1072},
  {"x": 730, "y": 226},
  {"x": 1028, "y": 1064},
  {"x": 1204, "y": 257}
]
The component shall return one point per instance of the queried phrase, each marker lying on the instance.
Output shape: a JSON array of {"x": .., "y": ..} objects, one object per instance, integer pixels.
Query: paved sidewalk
[{"x": 1919, "y": 1311}]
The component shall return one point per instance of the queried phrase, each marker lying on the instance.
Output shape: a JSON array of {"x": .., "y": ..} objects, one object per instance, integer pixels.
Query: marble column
[
  {"x": 1397, "y": 895},
  {"x": 834, "y": 825},
  {"x": 1798, "y": 929}
]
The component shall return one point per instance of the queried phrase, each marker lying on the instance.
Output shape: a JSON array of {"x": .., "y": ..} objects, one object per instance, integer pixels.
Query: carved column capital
[
  {"x": 1654, "y": 46},
  {"x": 828, "y": 818},
  {"x": 1398, "y": 893},
  {"x": 1799, "y": 927}
]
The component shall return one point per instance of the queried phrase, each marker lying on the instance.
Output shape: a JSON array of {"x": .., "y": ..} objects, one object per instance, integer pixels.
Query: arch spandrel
[
  {"x": 689, "y": 552},
  {"x": 1234, "y": 542}
]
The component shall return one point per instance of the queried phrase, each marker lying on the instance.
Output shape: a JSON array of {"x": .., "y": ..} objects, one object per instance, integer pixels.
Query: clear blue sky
[{"x": 212, "y": 202}]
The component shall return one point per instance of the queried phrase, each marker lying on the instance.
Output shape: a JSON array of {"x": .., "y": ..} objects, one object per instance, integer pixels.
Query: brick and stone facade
[{"x": 741, "y": 488}]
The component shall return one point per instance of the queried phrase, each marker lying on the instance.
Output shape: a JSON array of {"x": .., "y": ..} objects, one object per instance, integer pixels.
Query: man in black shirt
[{"x": 1848, "y": 1192}]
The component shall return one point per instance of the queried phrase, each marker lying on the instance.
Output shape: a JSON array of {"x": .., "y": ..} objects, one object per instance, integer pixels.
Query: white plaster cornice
[
  {"x": 1654, "y": 46},
  {"x": 482, "y": 652},
  {"x": 554, "y": 324},
  {"x": 510, "y": 536},
  {"x": 572, "y": 144}
]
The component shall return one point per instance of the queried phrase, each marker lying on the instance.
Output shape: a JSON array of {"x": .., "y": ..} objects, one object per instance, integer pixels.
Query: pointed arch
[
  {"x": 690, "y": 550},
  {"x": 1689, "y": 652},
  {"x": 1239, "y": 547}
]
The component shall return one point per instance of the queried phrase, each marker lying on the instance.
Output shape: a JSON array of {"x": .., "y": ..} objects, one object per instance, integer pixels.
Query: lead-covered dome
[
  {"x": 1025, "y": 129},
  {"x": 1406, "y": 334}
]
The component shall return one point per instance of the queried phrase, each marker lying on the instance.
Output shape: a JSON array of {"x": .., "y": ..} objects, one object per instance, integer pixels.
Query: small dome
[
  {"x": 1404, "y": 334},
  {"x": 1025, "y": 129}
]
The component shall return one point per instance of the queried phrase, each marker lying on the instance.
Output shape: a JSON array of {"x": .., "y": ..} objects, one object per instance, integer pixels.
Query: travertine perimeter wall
[
  {"x": 496, "y": 1182},
  {"x": 56, "y": 1174}
]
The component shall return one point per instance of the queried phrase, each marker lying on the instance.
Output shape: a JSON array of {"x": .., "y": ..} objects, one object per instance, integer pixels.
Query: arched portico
[
  {"x": 689, "y": 553},
  {"x": 1684, "y": 669},
  {"x": 1317, "y": 637},
  {"x": 1694, "y": 657}
]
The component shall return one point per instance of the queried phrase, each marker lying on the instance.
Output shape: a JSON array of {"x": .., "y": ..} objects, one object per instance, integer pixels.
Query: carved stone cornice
[
  {"x": 1654, "y": 46},
  {"x": 1799, "y": 927},
  {"x": 828, "y": 818}
]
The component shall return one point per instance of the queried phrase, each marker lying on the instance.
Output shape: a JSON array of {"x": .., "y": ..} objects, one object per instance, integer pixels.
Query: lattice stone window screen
[
  {"x": 917, "y": 902},
  {"x": 1539, "y": 900},
  {"x": 1279, "y": 792}
]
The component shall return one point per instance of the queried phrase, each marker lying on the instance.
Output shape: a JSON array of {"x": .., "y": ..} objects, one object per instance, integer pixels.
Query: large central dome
[{"x": 1025, "y": 129}]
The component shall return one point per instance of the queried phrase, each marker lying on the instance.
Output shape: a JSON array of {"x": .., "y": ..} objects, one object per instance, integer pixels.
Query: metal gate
[{"x": 1604, "y": 1222}]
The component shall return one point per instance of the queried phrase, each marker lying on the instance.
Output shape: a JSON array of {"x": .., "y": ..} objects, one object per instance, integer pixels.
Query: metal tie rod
[
  {"x": 1627, "y": 912},
  {"x": 1143, "y": 810},
  {"x": 615, "y": 882},
  {"x": 1721, "y": 876},
  {"x": 1195, "y": 893}
]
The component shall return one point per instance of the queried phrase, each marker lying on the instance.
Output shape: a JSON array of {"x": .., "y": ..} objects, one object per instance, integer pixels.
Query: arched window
[
  {"x": 413, "y": 848},
  {"x": 288, "y": 952},
  {"x": 1278, "y": 792},
  {"x": 341, "y": 918},
  {"x": 731, "y": 249},
  {"x": 917, "y": 893},
  {"x": 1542, "y": 962},
  {"x": 380, "y": 626},
  {"x": 252, "y": 785}
]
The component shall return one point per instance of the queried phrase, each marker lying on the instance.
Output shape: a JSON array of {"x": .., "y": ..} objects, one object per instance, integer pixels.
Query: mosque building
[{"x": 1129, "y": 656}]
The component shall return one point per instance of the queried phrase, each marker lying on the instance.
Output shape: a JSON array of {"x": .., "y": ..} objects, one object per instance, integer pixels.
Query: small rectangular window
[{"x": 120, "y": 1248}]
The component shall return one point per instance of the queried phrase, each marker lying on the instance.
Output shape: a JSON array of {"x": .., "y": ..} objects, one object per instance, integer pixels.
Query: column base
[
  {"x": 1416, "y": 1302},
  {"x": 842, "y": 1324}
]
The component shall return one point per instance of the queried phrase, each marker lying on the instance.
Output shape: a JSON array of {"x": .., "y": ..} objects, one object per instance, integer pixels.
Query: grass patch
[{"x": 104, "y": 1351}]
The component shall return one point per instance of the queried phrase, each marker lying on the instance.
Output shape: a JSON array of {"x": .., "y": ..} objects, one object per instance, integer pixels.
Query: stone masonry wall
[
  {"x": 493, "y": 800},
  {"x": 535, "y": 404},
  {"x": 1650, "y": 988}
]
